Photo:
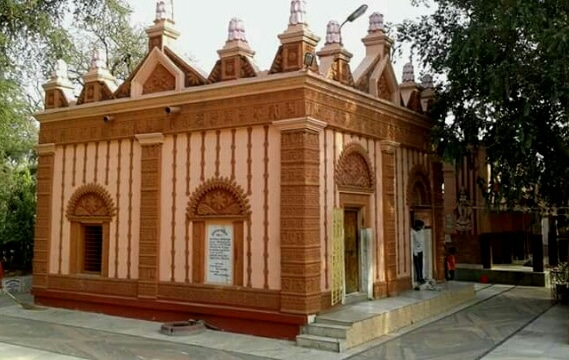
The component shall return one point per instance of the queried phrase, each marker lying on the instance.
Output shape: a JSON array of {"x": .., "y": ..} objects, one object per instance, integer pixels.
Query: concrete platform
[
  {"x": 505, "y": 274},
  {"x": 352, "y": 325}
]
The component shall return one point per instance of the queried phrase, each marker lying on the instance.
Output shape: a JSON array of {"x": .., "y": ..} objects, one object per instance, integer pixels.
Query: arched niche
[
  {"x": 90, "y": 211},
  {"x": 218, "y": 203},
  {"x": 418, "y": 188},
  {"x": 354, "y": 170}
]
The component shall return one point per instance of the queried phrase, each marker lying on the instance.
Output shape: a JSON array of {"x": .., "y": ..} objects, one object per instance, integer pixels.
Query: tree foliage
[
  {"x": 503, "y": 84},
  {"x": 33, "y": 35}
]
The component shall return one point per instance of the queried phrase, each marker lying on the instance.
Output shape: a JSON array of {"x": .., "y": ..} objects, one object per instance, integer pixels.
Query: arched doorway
[
  {"x": 420, "y": 204},
  {"x": 355, "y": 181}
]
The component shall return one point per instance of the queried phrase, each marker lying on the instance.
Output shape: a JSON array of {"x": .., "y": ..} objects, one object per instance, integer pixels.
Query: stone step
[
  {"x": 356, "y": 324},
  {"x": 327, "y": 330},
  {"x": 320, "y": 342}
]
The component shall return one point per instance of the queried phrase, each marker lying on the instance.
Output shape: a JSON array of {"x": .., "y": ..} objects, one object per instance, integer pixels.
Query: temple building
[{"x": 250, "y": 199}]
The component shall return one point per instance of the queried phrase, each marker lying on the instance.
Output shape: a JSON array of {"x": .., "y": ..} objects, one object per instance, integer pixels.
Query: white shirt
[{"x": 417, "y": 241}]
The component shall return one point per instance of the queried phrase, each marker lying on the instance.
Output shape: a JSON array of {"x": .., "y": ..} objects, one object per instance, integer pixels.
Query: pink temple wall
[
  {"x": 99, "y": 163},
  {"x": 176, "y": 194},
  {"x": 75, "y": 166}
]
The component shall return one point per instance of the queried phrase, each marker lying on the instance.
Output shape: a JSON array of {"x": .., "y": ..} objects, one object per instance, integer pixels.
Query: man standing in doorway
[{"x": 418, "y": 244}]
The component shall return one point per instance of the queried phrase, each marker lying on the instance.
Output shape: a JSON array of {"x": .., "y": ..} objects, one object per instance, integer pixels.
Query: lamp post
[
  {"x": 356, "y": 14},
  {"x": 353, "y": 16},
  {"x": 309, "y": 57}
]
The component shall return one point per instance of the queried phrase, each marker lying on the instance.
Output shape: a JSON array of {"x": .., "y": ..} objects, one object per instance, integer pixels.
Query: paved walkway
[{"x": 504, "y": 322}]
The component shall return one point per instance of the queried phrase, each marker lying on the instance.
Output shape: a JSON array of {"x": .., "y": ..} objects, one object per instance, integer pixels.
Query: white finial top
[
  {"x": 164, "y": 10},
  {"x": 408, "y": 73},
  {"x": 60, "y": 70},
  {"x": 99, "y": 59},
  {"x": 297, "y": 12},
  {"x": 427, "y": 82},
  {"x": 333, "y": 35},
  {"x": 376, "y": 22},
  {"x": 236, "y": 30}
]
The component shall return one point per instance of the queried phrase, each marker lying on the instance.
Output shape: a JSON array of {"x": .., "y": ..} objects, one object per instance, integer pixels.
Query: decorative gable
[
  {"x": 157, "y": 74},
  {"x": 193, "y": 75},
  {"x": 414, "y": 102},
  {"x": 383, "y": 82},
  {"x": 160, "y": 80}
]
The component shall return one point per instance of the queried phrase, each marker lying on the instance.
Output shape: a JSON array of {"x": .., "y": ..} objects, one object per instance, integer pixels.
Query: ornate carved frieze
[
  {"x": 160, "y": 80},
  {"x": 90, "y": 200},
  {"x": 354, "y": 169},
  {"x": 233, "y": 112},
  {"x": 363, "y": 120},
  {"x": 218, "y": 197}
]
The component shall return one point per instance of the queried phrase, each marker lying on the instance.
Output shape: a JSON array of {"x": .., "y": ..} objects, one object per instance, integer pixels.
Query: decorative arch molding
[
  {"x": 354, "y": 170},
  {"x": 419, "y": 182},
  {"x": 90, "y": 200},
  {"x": 218, "y": 197}
]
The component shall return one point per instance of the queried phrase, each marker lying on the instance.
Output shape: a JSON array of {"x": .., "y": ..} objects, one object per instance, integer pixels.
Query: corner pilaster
[
  {"x": 388, "y": 173},
  {"x": 300, "y": 215},
  {"x": 150, "y": 210},
  {"x": 42, "y": 238}
]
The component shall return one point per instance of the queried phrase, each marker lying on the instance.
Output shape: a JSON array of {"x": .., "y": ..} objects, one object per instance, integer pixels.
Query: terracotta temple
[{"x": 251, "y": 199}]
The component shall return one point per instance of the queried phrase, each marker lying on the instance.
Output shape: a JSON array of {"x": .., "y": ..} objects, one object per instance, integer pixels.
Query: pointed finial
[
  {"x": 60, "y": 70},
  {"x": 376, "y": 22},
  {"x": 297, "y": 12},
  {"x": 408, "y": 73},
  {"x": 99, "y": 59},
  {"x": 164, "y": 10},
  {"x": 427, "y": 82},
  {"x": 236, "y": 30},
  {"x": 333, "y": 35}
]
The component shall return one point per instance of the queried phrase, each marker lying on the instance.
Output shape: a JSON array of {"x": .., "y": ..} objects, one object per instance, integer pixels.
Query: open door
[{"x": 351, "y": 251}]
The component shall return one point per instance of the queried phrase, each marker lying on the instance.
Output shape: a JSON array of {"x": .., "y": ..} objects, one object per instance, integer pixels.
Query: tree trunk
[{"x": 537, "y": 245}]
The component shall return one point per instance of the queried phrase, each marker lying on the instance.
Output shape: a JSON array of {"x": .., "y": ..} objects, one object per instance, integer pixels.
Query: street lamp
[
  {"x": 356, "y": 14},
  {"x": 309, "y": 57}
]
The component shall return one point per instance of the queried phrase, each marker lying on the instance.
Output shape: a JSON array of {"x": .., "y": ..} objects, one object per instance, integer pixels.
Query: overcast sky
[{"x": 203, "y": 24}]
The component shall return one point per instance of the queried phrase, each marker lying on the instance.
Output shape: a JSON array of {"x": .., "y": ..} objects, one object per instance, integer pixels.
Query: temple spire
[
  {"x": 236, "y": 30},
  {"x": 60, "y": 72},
  {"x": 376, "y": 22},
  {"x": 162, "y": 33},
  {"x": 408, "y": 73},
  {"x": 297, "y": 12},
  {"x": 164, "y": 10},
  {"x": 98, "y": 60},
  {"x": 333, "y": 35}
]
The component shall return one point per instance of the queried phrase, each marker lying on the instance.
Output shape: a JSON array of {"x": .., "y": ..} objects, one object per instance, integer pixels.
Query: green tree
[
  {"x": 503, "y": 84},
  {"x": 33, "y": 35}
]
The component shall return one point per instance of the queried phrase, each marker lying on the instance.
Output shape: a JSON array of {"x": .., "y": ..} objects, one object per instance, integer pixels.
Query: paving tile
[{"x": 500, "y": 324}]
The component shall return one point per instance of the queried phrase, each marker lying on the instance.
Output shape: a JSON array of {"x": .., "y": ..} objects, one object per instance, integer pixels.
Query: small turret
[
  {"x": 334, "y": 58},
  {"x": 59, "y": 90},
  {"x": 236, "y": 58},
  {"x": 100, "y": 84},
  {"x": 296, "y": 41},
  {"x": 163, "y": 33}
]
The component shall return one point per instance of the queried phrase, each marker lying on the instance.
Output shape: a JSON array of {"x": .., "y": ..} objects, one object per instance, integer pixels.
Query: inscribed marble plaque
[{"x": 220, "y": 254}]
